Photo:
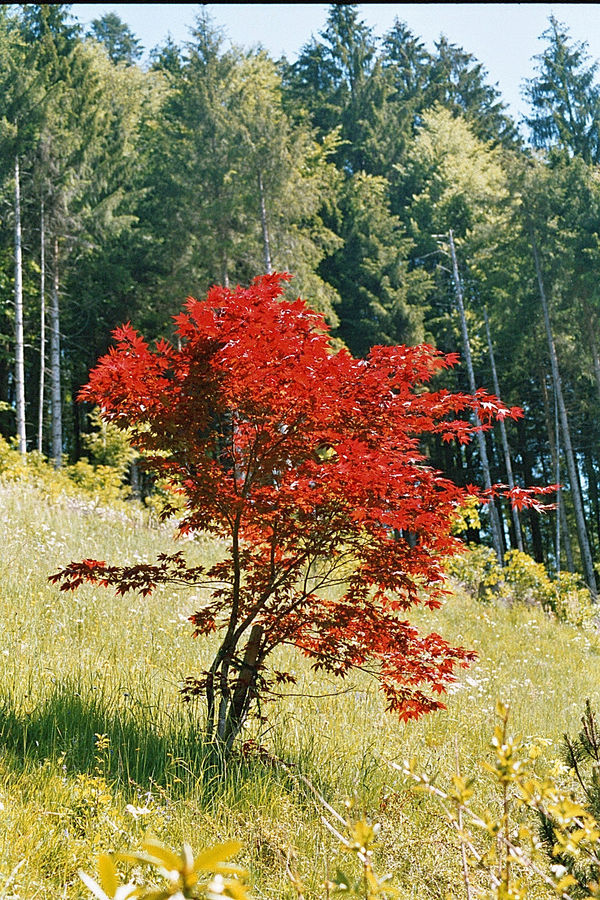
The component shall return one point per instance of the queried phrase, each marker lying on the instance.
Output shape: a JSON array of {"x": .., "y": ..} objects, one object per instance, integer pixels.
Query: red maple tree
[{"x": 308, "y": 462}]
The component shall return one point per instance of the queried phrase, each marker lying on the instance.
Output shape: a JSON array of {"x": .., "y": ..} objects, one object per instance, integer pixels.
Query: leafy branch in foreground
[
  {"x": 307, "y": 463},
  {"x": 505, "y": 843},
  {"x": 182, "y": 875}
]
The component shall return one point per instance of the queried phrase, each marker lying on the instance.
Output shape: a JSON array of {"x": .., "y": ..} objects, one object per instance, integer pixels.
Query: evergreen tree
[
  {"x": 565, "y": 97},
  {"x": 406, "y": 65},
  {"x": 117, "y": 38},
  {"x": 237, "y": 186},
  {"x": 458, "y": 82},
  {"x": 382, "y": 302},
  {"x": 338, "y": 80}
]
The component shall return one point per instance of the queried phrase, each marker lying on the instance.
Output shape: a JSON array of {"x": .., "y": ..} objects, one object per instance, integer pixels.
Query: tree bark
[
  {"x": 56, "y": 399},
  {"x": 584, "y": 544},
  {"x": 19, "y": 342},
  {"x": 243, "y": 693},
  {"x": 494, "y": 520},
  {"x": 591, "y": 332},
  {"x": 562, "y": 524},
  {"x": 225, "y": 270},
  {"x": 533, "y": 516},
  {"x": 40, "y": 437},
  {"x": 265, "y": 226},
  {"x": 505, "y": 447},
  {"x": 592, "y": 479}
]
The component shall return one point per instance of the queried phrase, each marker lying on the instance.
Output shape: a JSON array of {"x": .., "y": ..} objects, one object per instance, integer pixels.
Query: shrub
[{"x": 522, "y": 580}]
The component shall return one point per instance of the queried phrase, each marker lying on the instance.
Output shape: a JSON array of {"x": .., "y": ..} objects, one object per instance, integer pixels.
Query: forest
[{"x": 390, "y": 181}]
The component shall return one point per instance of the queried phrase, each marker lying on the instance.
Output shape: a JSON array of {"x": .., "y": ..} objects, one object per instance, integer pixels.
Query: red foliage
[{"x": 308, "y": 462}]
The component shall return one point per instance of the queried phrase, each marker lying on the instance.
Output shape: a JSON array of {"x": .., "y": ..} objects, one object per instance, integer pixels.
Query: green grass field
[{"x": 76, "y": 666}]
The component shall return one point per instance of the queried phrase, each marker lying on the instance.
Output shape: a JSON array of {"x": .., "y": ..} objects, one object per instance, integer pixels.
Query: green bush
[
  {"x": 477, "y": 571},
  {"x": 102, "y": 483},
  {"x": 522, "y": 580},
  {"x": 108, "y": 445}
]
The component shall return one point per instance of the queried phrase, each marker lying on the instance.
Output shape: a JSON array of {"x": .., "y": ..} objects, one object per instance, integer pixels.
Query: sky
[{"x": 502, "y": 36}]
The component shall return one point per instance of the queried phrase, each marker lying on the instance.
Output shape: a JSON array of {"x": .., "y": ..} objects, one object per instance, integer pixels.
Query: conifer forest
[{"x": 388, "y": 180}]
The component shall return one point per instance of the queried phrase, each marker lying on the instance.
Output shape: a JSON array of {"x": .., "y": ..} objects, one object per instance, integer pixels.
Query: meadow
[{"x": 97, "y": 747}]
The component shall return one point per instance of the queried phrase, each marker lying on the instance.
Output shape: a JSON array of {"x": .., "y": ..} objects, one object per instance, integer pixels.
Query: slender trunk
[
  {"x": 40, "y": 439},
  {"x": 494, "y": 520},
  {"x": 229, "y": 645},
  {"x": 584, "y": 544},
  {"x": 591, "y": 332},
  {"x": 562, "y": 527},
  {"x": 134, "y": 480},
  {"x": 505, "y": 447},
  {"x": 244, "y": 689},
  {"x": 225, "y": 270},
  {"x": 76, "y": 412},
  {"x": 265, "y": 226},
  {"x": 56, "y": 401},
  {"x": 592, "y": 480},
  {"x": 19, "y": 343},
  {"x": 596, "y": 360},
  {"x": 537, "y": 546}
]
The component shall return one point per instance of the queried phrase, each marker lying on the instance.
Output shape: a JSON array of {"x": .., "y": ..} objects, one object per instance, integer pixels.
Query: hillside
[{"x": 74, "y": 667}]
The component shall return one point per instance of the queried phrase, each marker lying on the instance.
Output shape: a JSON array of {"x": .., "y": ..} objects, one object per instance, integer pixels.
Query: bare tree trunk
[
  {"x": 533, "y": 516},
  {"x": 596, "y": 360},
  {"x": 56, "y": 399},
  {"x": 591, "y": 332},
  {"x": 563, "y": 525},
  {"x": 505, "y": 447},
  {"x": 19, "y": 343},
  {"x": 225, "y": 275},
  {"x": 265, "y": 226},
  {"x": 584, "y": 544},
  {"x": 40, "y": 439},
  {"x": 494, "y": 520}
]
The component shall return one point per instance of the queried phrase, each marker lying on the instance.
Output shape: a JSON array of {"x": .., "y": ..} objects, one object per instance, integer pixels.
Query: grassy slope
[{"x": 75, "y": 666}]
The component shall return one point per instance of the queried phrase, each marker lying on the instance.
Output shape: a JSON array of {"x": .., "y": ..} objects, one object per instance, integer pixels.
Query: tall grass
[{"x": 97, "y": 745}]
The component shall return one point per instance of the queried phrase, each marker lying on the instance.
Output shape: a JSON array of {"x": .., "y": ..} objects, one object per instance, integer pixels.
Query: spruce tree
[
  {"x": 565, "y": 97},
  {"x": 117, "y": 38}
]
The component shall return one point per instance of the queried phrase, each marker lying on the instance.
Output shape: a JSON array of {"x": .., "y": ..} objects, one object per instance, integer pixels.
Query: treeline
[{"x": 390, "y": 180}]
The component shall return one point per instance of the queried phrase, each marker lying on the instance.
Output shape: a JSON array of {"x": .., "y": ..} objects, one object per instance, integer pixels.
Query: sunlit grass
[{"x": 75, "y": 666}]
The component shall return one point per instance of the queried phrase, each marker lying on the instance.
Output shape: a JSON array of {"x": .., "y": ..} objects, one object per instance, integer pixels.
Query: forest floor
[{"x": 97, "y": 747}]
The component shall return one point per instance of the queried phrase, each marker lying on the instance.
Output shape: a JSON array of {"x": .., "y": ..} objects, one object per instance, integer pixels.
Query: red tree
[{"x": 307, "y": 461}]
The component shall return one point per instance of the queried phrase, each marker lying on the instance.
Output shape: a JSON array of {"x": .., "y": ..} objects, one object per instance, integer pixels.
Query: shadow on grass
[{"x": 66, "y": 726}]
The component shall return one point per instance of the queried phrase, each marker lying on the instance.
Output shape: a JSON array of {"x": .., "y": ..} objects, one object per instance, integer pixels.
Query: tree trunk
[
  {"x": 505, "y": 447},
  {"x": 40, "y": 438},
  {"x": 19, "y": 343},
  {"x": 265, "y": 226},
  {"x": 584, "y": 544},
  {"x": 225, "y": 270},
  {"x": 244, "y": 689},
  {"x": 56, "y": 399},
  {"x": 592, "y": 479},
  {"x": 494, "y": 519},
  {"x": 591, "y": 333},
  {"x": 537, "y": 546},
  {"x": 562, "y": 526}
]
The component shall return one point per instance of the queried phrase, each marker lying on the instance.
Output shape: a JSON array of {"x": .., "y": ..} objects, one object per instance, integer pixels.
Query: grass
[{"x": 97, "y": 746}]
